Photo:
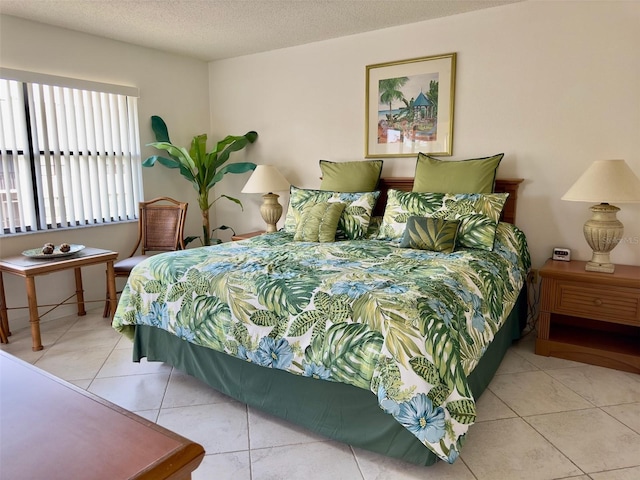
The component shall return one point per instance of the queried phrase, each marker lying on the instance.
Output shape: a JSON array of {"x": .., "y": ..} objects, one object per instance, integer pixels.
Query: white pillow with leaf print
[
  {"x": 478, "y": 213},
  {"x": 354, "y": 220}
]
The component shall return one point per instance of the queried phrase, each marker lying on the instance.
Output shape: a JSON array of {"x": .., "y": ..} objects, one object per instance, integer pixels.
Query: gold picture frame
[{"x": 409, "y": 107}]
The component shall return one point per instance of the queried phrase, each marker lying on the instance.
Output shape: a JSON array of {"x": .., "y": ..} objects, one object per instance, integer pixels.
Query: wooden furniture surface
[
  {"x": 54, "y": 430},
  {"x": 503, "y": 185},
  {"x": 244, "y": 236},
  {"x": 29, "y": 268},
  {"x": 590, "y": 317}
]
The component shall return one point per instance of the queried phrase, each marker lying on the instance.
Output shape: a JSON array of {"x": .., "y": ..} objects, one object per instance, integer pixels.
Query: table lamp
[
  {"x": 266, "y": 179},
  {"x": 604, "y": 181}
]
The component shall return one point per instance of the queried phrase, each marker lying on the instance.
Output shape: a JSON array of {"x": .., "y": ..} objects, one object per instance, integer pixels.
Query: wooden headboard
[{"x": 503, "y": 185}]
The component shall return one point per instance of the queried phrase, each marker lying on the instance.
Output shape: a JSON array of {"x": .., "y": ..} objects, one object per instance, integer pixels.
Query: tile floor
[{"x": 541, "y": 418}]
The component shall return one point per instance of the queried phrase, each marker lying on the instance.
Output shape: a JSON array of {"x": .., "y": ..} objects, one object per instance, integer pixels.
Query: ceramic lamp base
[
  {"x": 271, "y": 211},
  {"x": 603, "y": 231}
]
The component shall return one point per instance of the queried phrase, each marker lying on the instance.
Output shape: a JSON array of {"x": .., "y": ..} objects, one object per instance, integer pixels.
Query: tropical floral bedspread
[{"x": 408, "y": 325}]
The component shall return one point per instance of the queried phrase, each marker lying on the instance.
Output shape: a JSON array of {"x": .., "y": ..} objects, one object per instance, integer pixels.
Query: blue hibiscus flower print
[
  {"x": 185, "y": 333},
  {"x": 341, "y": 263},
  {"x": 158, "y": 315},
  {"x": 472, "y": 197},
  {"x": 477, "y": 319},
  {"x": 441, "y": 310},
  {"x": 351, "y": 289},
  {"x": 461, "y": 292},
  {"x": 252, "y": 267},
  {"x": 218, "y": 268},
  {"x": 272, "y": 353},
  {"x": 349, "y": 197},
  {"x": 389, "y": 406},
  {"x": 282, "y": 275},
  {"x": 396, "y": 289},
  {"x": 420, "y": 418},
  {"x": 316, "y": 371},
  {"x": 243, "y": 353}
]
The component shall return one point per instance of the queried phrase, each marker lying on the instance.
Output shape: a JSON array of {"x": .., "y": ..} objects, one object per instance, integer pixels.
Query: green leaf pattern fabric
[
  {"x": 435, "y": 234},
  {"x": 478, "y": 214},
  {"x": 354, "y": 221},
  {"x": 407, "y": 325}
]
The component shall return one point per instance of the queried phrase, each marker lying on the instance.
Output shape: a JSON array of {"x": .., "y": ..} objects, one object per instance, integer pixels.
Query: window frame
[{"x": 107, "y": 149}]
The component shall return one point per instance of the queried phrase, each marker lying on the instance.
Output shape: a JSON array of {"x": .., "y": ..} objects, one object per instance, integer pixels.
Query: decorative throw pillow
[
  {"x": 354, "y": 220},
  {"x": 319, "y": 222},
  {"x": 350, "y": 177},
  {"x": 476, "y": 175},
  {"x": 401, "y": 205},
  {"x": 426, "y": 233},
  {"x": 477, "y": 231}
]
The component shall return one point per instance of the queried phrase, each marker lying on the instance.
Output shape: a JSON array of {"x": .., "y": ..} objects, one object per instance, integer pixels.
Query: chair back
[{"x": 161, "y": 225}]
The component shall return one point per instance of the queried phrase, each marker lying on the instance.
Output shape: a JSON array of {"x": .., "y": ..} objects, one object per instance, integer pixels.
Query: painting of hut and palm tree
[{"x": 408, "y": 109}]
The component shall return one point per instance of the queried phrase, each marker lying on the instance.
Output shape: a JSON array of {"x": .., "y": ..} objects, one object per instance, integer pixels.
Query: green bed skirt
[{"x": 335, "y": 410}]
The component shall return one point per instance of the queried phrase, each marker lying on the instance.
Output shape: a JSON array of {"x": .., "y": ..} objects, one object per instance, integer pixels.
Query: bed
[{"x": 381, "y": 347}]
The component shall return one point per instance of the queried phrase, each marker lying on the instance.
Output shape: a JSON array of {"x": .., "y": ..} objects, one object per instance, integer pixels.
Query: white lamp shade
[
  {"x": 606, "y": 181},
  {"x": 266, "y": 179}
]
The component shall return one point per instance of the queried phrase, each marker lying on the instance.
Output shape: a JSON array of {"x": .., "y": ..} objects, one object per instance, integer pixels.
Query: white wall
[
  {"x": 553, "y": 85},
  {"x": 174, "y": 87}
]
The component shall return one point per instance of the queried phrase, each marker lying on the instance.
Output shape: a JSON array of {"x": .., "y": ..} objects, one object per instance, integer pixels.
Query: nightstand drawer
[{"x": 599, "y": 302}]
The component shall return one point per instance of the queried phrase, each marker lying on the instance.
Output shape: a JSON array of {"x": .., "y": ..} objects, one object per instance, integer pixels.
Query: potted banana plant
[{"x": 203, "y": 169}]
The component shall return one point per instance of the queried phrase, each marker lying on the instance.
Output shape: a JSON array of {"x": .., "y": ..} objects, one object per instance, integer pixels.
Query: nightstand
[
  {"x": 244, "y": 236},
  {"x": 590, "y": 317}
]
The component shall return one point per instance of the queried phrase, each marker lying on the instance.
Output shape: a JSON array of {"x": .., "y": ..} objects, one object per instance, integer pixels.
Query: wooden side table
[
  {"x": 590, "y": 317},
  {"x": 29, "y": 268},
  {"x": 54, "y": 430},
  {"x": 244, "y": 236}
]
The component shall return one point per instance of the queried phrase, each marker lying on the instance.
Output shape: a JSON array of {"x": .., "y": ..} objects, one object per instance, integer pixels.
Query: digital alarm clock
[{"x": 562, "y": 254}]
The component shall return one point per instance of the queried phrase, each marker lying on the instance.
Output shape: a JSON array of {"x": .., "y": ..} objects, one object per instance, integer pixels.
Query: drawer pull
[{"x": 597, "y": 302}]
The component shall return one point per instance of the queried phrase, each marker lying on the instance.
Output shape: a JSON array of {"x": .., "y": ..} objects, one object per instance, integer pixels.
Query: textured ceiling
[{"x": 217, "y": 29}]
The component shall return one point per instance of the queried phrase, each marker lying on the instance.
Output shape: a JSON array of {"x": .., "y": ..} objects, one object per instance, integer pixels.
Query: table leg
[
  {"x": 79, "y": 291},
  {"x": 111, "y": 289},
  {"x": 34, "y": 318},
  {"x": 4, "y": 318}
]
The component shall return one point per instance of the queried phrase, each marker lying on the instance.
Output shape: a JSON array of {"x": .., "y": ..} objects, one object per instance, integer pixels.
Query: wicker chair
[{"x": 160, "y": 229}]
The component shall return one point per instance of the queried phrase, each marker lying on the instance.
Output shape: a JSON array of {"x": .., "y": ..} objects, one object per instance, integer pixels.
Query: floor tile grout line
[
  {"x": 164, "y": 393},
  {"x": 567, "y": 386},
  {"x": 619, "y": 421},
  {"x": 355, "y": 458},
  {"x": 249, "y": 444},
  {"x": 556, "y": 447},
  {"x": 461, "y": 459},
  {"x": 103, "y": 364},
  {"x": 48, "y": 350}
]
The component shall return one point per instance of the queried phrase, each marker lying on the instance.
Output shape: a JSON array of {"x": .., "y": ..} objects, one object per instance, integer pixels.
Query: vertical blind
[{"x": 69, "y": 156}]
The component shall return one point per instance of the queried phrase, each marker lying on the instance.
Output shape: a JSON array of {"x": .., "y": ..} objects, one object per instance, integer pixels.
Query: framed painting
[{"x": 409, "y": 107}]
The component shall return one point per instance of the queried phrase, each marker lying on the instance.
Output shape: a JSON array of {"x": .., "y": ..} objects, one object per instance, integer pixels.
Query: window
[{"x": 70, "y": 153}]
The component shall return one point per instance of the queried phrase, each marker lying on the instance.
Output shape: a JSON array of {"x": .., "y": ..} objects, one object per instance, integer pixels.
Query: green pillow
[
  {"x": 359, "y": 176},
  {"x": 426, "y": 233},
  {"x": 319, "y": 222},
  {"x": 477, "y": 231},
  {"x": 477, "y": 175},
  {"x": 354, "y": 220},
  {"x": 461, "y": 206}
]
